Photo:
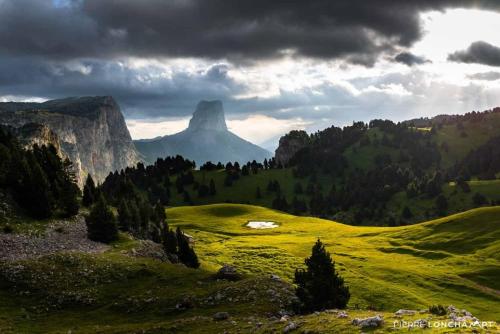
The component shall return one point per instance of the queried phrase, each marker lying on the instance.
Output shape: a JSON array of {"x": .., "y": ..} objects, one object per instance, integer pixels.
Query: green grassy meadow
[{"x": 453, "y": 260}]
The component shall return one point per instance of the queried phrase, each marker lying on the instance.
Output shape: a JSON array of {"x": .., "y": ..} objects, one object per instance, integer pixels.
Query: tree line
[{"x": 39, "y": 179}]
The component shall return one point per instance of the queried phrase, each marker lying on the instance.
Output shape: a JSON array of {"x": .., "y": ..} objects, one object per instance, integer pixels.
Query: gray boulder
[
  {"x": 220, "y": 316},
  {"x": 228, "y": 272},
  {"x": 370, "y": 322}
]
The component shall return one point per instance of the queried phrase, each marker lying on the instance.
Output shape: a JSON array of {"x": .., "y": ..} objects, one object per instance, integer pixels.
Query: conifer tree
[
  {"x": 161, "y": 215},
  {"x": 187, "y": 198},
  {"x": 186, "y": 253},
  {"x": 124, "y": 216},
  {"x": 38, "y": 192},
  {"x": 228, "y": 180},
  {"x": 212, "y": 190},
  {"x": 69, "y": 198},
  {"x": 169, "y": 240},
  {"x": 89, "y": 192},
  {"x": 319, "y": 286},
  {"x": 101, "y": 222},
  {"x": 135, "y": 217},
  {"x": 145, "y": 213}
]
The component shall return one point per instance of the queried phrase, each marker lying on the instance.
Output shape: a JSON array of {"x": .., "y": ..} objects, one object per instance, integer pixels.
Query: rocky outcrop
[
  {"x": 209, "y": 115},
  {"x": 91, "y": 131},
  {"x": 206, "y": 139},
  {"x": 370, "y": 322},
  {"x": 35, "y": 134},
  {"x": 228, "y": 272},
  {"x": 290, "y": 144}
]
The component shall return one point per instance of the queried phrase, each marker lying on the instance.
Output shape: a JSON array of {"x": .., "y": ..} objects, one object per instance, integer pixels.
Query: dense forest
[{"x": 39, "y": 180}]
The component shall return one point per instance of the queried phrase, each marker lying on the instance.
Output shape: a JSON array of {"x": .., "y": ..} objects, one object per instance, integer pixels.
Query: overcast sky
[{"x": 276, "y": 65}]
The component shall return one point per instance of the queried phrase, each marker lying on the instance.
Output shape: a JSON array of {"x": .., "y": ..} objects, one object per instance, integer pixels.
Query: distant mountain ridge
[
  {"x": 207, "y": 138},
  {"x": 91, "y": 131}
]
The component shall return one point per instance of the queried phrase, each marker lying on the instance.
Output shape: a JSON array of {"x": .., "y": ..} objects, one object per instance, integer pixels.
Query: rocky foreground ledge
[{"x": 60, "y": 236}]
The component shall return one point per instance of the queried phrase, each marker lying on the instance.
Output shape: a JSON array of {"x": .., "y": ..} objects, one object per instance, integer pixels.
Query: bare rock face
[
  {"x": 206, "y": 139},
  {"x": 208, "y": 115},
  {"x": 91, "y": 131},
  {"x": 35, "y": 134},
  {"x": 290, "y": 144}
]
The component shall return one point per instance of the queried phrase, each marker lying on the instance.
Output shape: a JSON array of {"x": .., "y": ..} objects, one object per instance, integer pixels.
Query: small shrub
[
  {"x": 437, "y": 309},
  {"x": 8, "y": 229}
]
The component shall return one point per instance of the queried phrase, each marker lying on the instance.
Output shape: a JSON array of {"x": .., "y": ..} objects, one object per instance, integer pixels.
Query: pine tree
[
  {"x": 169, "y": 240},
  {"x": 124, "y": 216},
  {"x": 228, "y": 180},
  {"x": 186, "y": 253},
  {"x": 257, "y": 193},
  {"x": 135, "y": 217},
  {"x": 89, "y": 192},
  {"x": 298, "y": 188},
  {"x": 187, "y": 198},
  {"x": 145, "y": 213},
  {"x": 441, "y": 204},
  {"x": 406, "y": 213},
  {"x": 101, "y": 222},
  {"x": 38, "y": 195},
  {"x": 212, "y": 191},
  {"x": 69, "y": 198},
  {"x": 161, "y": 215},
  {"x": 319, "y": 286},
  {"x": 479, "y": 199}
]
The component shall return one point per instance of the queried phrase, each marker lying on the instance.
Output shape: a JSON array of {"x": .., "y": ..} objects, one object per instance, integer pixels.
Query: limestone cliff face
[
  {"x": 91, "y": 131},
  {"x": 290, "y": 144},
  {"x": 208, "y": 115},
  {"x": 35, "y": 134}
]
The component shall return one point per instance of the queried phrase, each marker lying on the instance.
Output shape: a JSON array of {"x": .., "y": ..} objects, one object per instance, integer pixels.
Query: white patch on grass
[{"x": 261, "y": 224}]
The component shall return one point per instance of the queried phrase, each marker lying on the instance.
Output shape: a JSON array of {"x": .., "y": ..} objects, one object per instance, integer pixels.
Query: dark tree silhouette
[
  {"x": 89, "y": 192},
  {"x": 185, "y": 251},
  {"x": 319, "y": 286},
  {"x": 101, "y": 222}
]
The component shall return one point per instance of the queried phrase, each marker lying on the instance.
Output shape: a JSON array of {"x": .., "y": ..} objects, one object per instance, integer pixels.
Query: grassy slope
[
  {"x": 244, "y": 189},
  {"x": 388, "y": 268},
  {"x": 454, "y": 260},
  {"x": 477, "y": 135},
  {"x": 363, "y": 157},
  {"x": 457, "y": 199}
]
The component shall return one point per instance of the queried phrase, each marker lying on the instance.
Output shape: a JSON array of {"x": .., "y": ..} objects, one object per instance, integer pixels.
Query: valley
[{"x": 450, "y": 261}]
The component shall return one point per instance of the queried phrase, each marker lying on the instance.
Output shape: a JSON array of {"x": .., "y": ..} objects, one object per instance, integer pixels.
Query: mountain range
[{"x": 207, "y": 138}]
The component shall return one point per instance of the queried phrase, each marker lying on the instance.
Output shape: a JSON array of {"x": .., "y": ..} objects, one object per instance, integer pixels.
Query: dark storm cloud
[
  {"x": 410, "y": 59},
  {"x": 140, "y": 91},
  {"x": 60, "y": 48},
  {"x": 356, "y": 30},
  {"x": 478, "y": 53},
  {"x": 488, "y": 76}
]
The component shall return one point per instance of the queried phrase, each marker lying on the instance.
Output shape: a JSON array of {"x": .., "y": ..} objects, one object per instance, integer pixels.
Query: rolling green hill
[
  {"x": 453, "y": 260},
  {"x": 388, "y": 268}
]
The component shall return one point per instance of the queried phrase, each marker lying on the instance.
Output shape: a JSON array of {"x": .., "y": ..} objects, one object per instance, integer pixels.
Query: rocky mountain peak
[{"x": 209, "y": 115}]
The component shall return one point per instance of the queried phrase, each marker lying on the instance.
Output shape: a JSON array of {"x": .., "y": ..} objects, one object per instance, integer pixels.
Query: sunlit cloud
[
  {"x": 151, "y": 128},
  {"x": 259, "y": 128}
]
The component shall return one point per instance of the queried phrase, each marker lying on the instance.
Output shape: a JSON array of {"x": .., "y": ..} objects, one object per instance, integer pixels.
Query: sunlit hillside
[{"x": 454, "y": 260}]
